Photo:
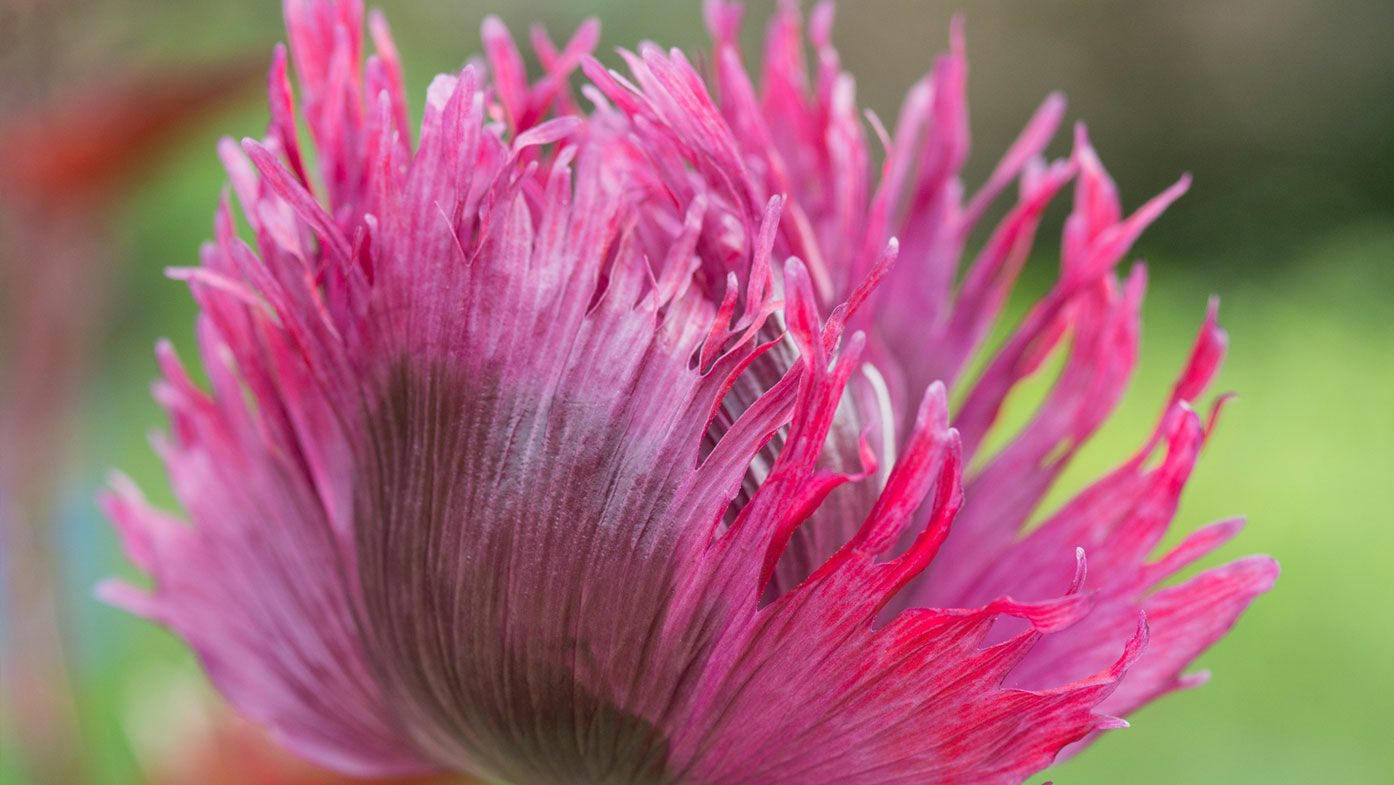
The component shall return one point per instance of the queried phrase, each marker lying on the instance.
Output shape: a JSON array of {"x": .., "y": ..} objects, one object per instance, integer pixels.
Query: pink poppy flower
[{"x": 609, "y": 441}]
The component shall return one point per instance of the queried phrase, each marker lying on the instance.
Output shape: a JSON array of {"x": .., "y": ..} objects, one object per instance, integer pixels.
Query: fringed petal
[
  {"x": 864, "y": 694},
  {"x": 531, "y": 492},
  {"x": 243, "y": 586},
  {"x": 1119, "y": 522},
  {"x": 1103, "y": 351}
]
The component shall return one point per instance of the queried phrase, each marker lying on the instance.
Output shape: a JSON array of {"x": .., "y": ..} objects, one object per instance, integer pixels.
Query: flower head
[{"x": 611, "y": 444}]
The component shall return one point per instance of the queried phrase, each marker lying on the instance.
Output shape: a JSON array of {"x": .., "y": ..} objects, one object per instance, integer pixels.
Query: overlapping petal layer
[{"x": 564, "y": 446}]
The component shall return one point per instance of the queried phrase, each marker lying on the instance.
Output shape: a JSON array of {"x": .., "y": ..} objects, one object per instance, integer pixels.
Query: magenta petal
[{"x": 257, "y": 589}]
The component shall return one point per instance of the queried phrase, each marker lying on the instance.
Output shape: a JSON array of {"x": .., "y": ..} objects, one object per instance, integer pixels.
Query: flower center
[{"x": 515, "y": 570}]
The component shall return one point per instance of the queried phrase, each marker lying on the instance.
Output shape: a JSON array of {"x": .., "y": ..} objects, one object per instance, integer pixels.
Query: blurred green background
[{"x": 1280, "y": 108}]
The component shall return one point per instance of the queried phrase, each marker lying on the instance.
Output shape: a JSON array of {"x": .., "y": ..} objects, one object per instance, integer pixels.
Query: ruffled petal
[
  {"x": 531, "y": 492},
  {"x": 259, "y": 588}
]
